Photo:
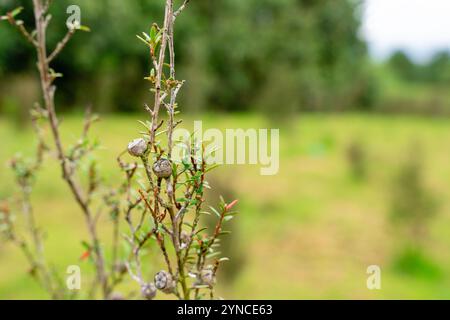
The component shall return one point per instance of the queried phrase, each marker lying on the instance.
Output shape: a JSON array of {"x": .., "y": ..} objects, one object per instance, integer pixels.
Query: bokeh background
[{"x": 359, "y": 90}]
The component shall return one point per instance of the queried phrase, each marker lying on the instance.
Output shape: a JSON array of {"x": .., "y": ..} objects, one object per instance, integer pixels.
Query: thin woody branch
[
  {"x": 180, "y": 9},
  {"x": 159, "y": 71},
  {"x": 20, "y": 26},
  {"x": 48, "y": 92},
  {"x": 60, "y": 46}
]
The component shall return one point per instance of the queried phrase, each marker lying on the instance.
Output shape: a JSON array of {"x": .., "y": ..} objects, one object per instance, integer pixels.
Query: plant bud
[
  {"x": 137, "y": 147},
  {"x": 148, "y": 291},
  {"x": 164, "y": 282},
  {"x": 162, "y": 168},
  {"x": 207, "y": 277},
  {"x": 185, "y": 238}
]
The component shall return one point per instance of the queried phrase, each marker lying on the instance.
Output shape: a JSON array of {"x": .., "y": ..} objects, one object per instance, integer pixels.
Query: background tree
[{"x": 239, "y": 55}]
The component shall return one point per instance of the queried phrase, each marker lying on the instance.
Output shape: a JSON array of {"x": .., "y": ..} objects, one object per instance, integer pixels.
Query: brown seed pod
[
  {"x": 185, "y": 238},
  {"x": 164, "y": 282},
  {"x": 162, "y": 168},
  {"x": 137, "y": 147},
  {"x": 148, "y": 291},
  {"x": 207, "y": 277}
]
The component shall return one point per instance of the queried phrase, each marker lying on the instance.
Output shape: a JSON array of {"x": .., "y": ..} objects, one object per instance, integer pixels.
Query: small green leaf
[
  {"x": 16, "y": 11},
  {"x": 202, "y": 229},
  {"x": 174, "y": 169},
  {"x": 212, "y": 167},
  {"x": 228, "y": 218},
  {"x": 212, "y": 255},
  {"x": 146, "y": 36},
  {"x": 153, "y": 33},
  {"x": 146, "y": 124},
  {"x": 215, "y": 211},
  {"x": 86, "y": 245},
  {"x": 84, "y": 28},
  {"x": 143, "y": 40}
]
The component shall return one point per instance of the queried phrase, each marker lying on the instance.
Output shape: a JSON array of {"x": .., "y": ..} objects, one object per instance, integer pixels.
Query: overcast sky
[{"x": 421, "y": 27}]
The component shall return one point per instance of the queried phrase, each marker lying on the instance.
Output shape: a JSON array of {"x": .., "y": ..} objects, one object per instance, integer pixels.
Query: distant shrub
[
  {"x": 356, "y": 155},
  {"x": 413, "y": 205},
  {"x": 413, "y": 262}
]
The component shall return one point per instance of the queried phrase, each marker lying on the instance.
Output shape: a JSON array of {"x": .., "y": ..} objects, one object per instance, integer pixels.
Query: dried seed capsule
[
  {"x": 185, "y": 238},
  {"x": 162, "y": 168},
  {"x": 137, "y": 147},
  {"x": 148, "y": 291},
  {"x": 207, "y": 277},
  {"x": 164, "y": 282}
]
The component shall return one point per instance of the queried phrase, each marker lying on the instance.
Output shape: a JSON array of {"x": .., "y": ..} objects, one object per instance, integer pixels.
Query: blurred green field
[{"x": 309, "y": 232}]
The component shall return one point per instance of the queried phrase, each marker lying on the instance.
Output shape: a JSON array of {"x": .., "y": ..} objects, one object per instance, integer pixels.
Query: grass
[{"x": 311, "y": 231}]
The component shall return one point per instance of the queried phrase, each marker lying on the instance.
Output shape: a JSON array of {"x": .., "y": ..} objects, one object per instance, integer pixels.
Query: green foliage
[
  {"x": 295, "y": 55},
  {"x": 435, "y": 71},
  {"x": 413, "y": 205},
  {"x": 402, "y": 65},
  {"x": 413, "y": 262}
]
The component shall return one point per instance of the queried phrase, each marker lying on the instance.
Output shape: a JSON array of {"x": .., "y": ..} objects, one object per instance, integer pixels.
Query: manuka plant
[
  {"x": 169, "y": 203},
  {"x": 165, "y": 208}
]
